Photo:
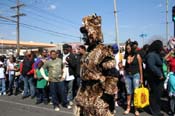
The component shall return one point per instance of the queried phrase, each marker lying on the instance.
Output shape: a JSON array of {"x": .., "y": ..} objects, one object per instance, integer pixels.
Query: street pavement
[{"x": 15, "y": 106}]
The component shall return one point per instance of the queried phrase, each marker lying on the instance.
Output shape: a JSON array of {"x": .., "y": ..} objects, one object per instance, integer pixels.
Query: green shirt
[
  {"x": 55, "y": 69},
  {"x": 41, "y": 83}
]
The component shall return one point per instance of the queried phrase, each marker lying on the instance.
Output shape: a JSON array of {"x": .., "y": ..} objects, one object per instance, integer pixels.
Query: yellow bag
[{"x": 141, "y": 97}]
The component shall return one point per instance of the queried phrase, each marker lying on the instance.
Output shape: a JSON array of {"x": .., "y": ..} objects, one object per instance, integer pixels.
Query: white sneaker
[
  {"x": 22, "y": 93},
  {"x": 4, "y": 93},
  {"x": 116, "y": 104},
  {"x": 71, "y": 103},
  {"x": 0, "y": 94},
  {"x": 69, "y": 107},
  {"x": 57, "y": 109}
]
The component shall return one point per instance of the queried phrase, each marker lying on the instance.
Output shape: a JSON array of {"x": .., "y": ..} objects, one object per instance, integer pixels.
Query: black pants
[
  {"x": 156, "y": 88},
  {"x": 41, "y": 95},
  {"x": 172, "y": 103},
  {"x": 58, "y": 93}
]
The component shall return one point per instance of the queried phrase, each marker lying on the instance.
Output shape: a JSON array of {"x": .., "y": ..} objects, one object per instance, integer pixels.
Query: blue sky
[{"x": 59, "y": 20}]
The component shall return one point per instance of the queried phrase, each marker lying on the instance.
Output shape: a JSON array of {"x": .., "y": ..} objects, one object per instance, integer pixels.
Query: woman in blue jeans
[
  {"x": 134, "y": 74},
  {"x": 11, "y": 74}
]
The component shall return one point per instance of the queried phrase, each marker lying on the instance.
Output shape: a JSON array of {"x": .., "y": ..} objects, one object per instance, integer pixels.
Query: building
[{"x": 9, "y": 46}]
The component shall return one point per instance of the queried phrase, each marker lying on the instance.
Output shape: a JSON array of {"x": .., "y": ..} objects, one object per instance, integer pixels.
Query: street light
[{"x": 143, "y": 35}]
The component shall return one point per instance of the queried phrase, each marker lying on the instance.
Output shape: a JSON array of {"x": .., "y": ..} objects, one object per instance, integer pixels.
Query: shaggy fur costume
[{"x": 98, "y": 73}]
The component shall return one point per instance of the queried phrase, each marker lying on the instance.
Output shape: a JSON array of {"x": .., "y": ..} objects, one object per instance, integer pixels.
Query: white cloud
[
  {"x": 159, "y": 5},
  {"x": 1, "y": 12},
  {"x": 123, "y": 26},
  {"x": 52, "y": 7},
  {"x": 1, "y": 35},
  {"x": 13, "y": 33},
  {"x": 147, "y": 26}
]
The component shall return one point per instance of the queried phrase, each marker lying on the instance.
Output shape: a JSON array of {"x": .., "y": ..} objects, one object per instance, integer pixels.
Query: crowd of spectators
[
  {"x": 50, "y": 77},
  {"x": 55, "y": 77}
]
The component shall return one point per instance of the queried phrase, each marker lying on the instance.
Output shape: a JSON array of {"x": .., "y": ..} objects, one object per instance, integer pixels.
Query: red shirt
[{"x": 172, "y": 64}]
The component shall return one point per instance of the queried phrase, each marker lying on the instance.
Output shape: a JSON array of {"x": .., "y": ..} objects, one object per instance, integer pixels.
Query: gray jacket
[{"x": 154, "y": 65}]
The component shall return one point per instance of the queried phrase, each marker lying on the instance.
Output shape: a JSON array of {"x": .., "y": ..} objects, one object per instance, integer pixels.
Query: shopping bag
[{"x": 141, "y": 97}]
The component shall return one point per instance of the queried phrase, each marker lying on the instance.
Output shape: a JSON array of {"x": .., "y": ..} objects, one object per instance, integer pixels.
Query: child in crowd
[
  {"x": 2, "y": 80},
  {"x": 170, "y": 85},
  {"x": 41, "y": 85},
  {"x": 121, "y": 84},
  {"x": 18, "y": 81}
]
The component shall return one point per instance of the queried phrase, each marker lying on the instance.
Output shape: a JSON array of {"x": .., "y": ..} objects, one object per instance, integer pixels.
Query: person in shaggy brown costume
[{"x": 98, "y": 73}]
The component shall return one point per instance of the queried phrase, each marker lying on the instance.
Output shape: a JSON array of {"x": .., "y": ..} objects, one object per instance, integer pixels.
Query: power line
[
  {"x": 7, "y": 23},
  {"x": 56, "y": 19},
  {"x": 31, "y": 28},
  {"x": 40, "y": 28},
  {"x": 4, "y": 4},
  {"x": 28, "y": 27},
  {"x": 2, "y": 17},
  {"x": 43, "y": 29},
  {"x": 4, "y": 8},
  {"x": 52, "y": 15},
  {"x": 44, "y": 20},
  {"x": 50, "y": 30},
  {"x": 37, "y": 27},
  {"x": 44, "y": 17},
  {"x": 50, "y": 33}
]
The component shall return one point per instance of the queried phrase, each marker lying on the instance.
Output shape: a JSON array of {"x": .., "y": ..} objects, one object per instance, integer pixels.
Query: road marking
[{"x": 33, "y": 106}]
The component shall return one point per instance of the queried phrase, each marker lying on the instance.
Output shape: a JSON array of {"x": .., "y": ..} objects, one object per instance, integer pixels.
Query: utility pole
[
  {"x": 17, "y": 16},
  {"x": 116, "y": 25},
  {"x": 167, "y": 23}
]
